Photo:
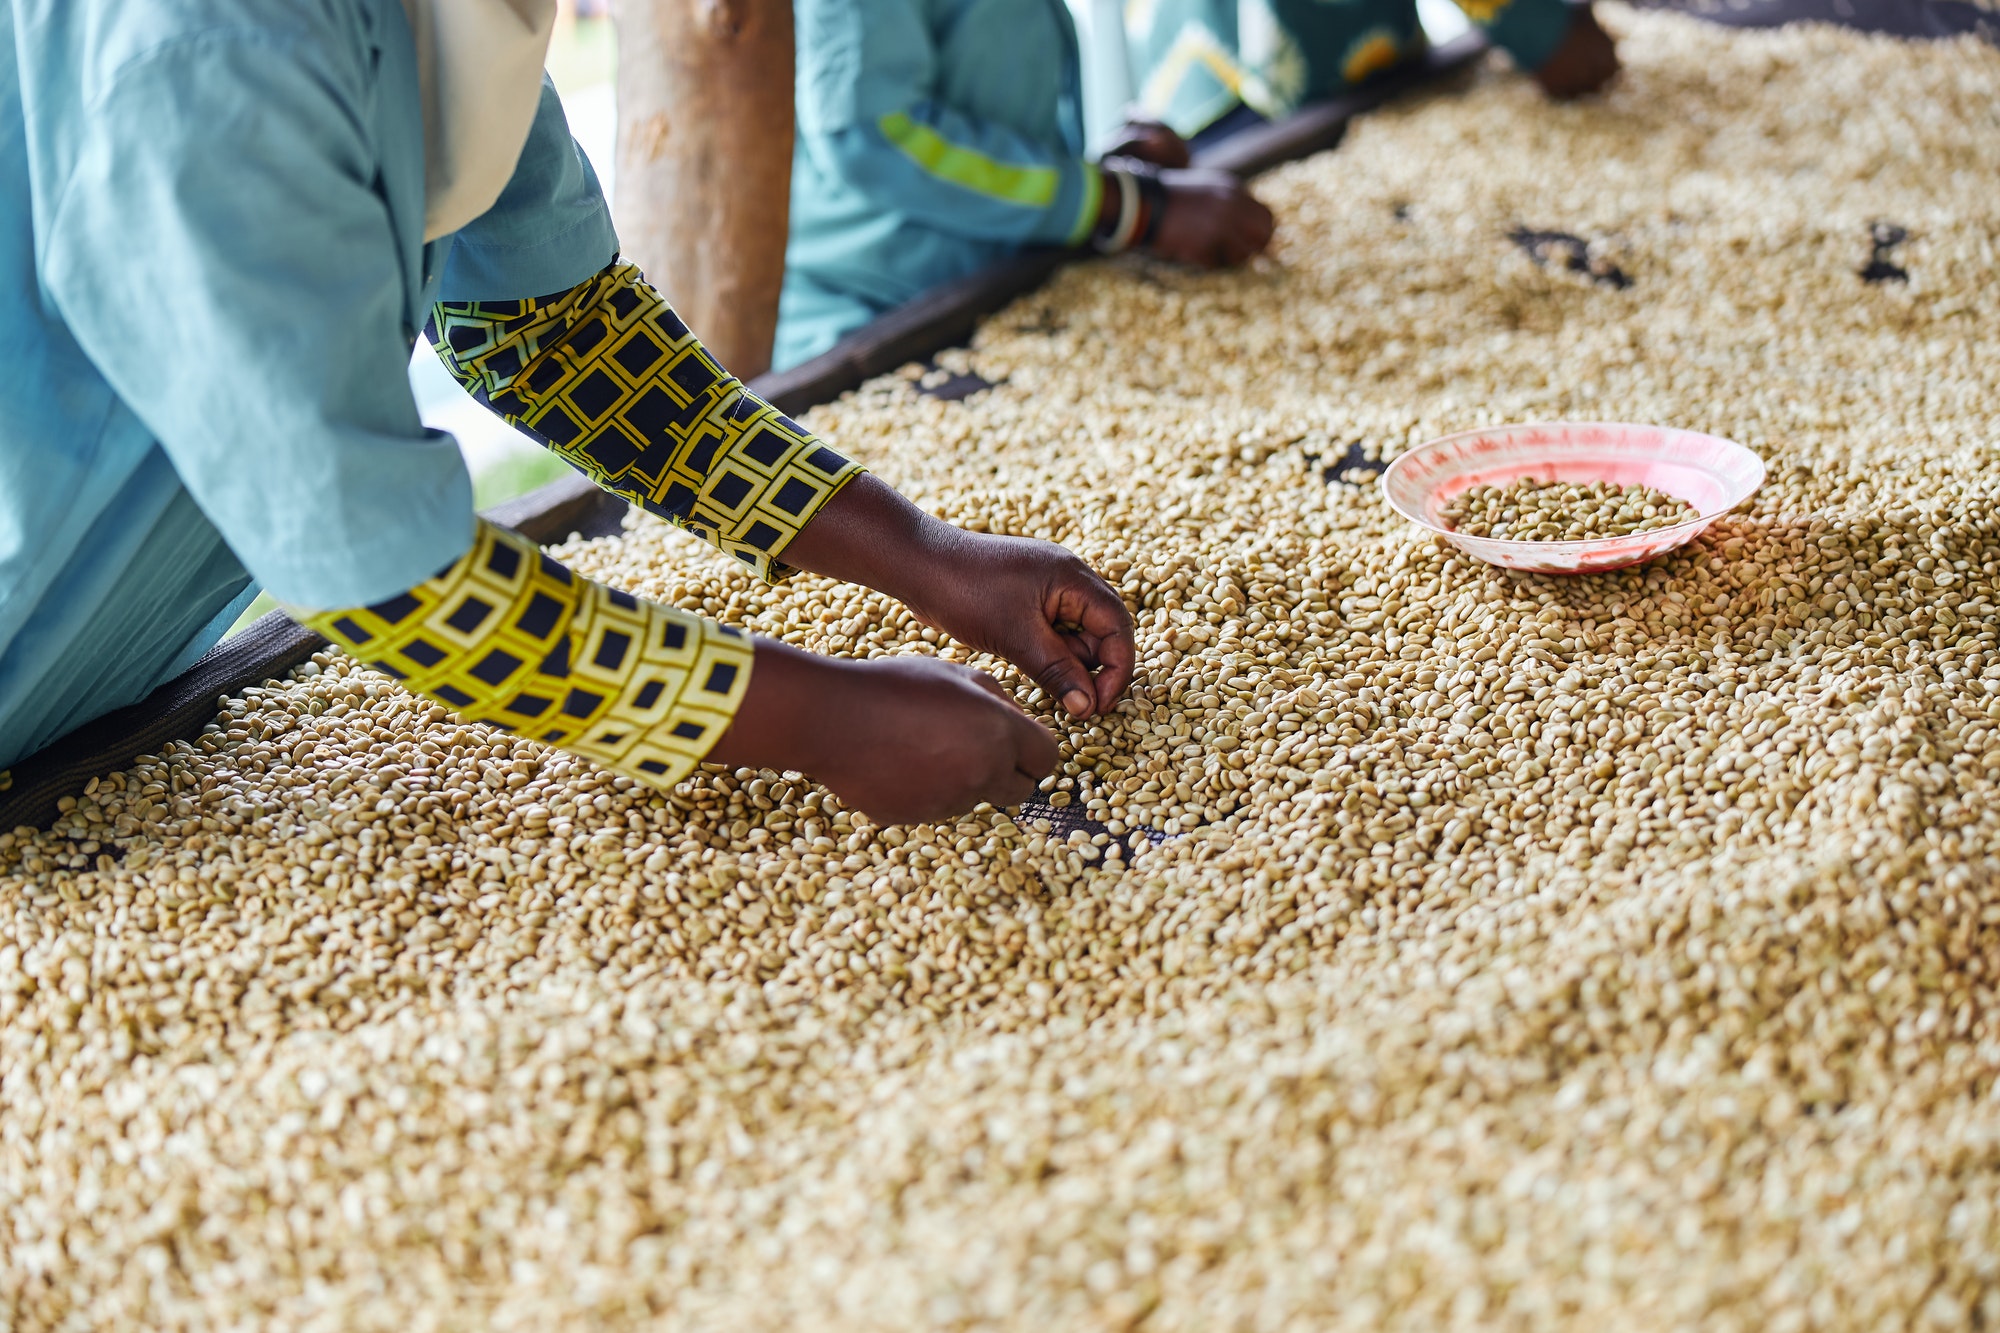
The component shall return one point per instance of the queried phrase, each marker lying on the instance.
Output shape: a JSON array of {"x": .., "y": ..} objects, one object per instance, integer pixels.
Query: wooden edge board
[{"x": 177, "y": 710}]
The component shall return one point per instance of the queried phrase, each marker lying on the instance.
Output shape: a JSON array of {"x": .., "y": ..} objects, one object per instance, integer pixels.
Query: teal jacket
[
  {"x": 1197, "y": 60},
  {"x": 934, "y": 136},
  {"x": 211, "y": 235}
]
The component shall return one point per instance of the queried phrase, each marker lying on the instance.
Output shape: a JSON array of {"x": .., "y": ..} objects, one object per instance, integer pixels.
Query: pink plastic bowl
[{"x": 1712, "y": 474}]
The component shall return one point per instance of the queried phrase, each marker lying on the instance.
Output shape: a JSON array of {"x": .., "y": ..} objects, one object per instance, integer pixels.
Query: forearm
[
  {"x": 509, "y": 637},
  {"x": 608, "y": 377},
  {"x": 871, "y": 535},
  {"x": 782, "y": 722},
  {"x": 527, "y": 360}
]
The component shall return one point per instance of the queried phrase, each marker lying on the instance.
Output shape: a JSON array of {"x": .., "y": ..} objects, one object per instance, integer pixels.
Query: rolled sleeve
[{"x": 223, "y": 254}]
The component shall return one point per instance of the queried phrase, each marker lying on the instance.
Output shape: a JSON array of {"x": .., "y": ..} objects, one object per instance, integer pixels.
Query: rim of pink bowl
[{"x": 1650, "y": 534}]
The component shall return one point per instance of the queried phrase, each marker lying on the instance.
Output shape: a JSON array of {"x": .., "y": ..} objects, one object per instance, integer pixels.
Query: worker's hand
[
  {"x": 1037, "y": 605},
  {"x": 1585, "y": 62},
  {"x": 1148, "y": 140},
  {"x": 1210, "y": 220},
  {"x": 1031, "y": 602},
  {"x": 902, "y": 739},
  {"x": 916, "y": 739}
]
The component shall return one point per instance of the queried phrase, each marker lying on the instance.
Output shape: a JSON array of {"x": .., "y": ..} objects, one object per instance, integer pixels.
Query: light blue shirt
[
  {"x": 212, "y": 271},
  {"x": 1196, "y": 64},
  {"x": 934, "y": 137}
]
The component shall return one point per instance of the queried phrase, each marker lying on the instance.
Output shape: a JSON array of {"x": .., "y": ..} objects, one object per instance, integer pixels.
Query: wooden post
[{"x": 705, "y": 163}]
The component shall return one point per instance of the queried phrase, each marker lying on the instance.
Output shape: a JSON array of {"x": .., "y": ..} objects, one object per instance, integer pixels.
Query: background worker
[
  {"x": 1203, "y": 61},
  {"x": 223, "y": 223},
  {"x": 936, "y": 136}
]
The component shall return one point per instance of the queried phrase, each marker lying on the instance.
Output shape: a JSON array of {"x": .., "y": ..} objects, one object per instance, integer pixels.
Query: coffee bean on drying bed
[{"x": 1606, "y": 952}]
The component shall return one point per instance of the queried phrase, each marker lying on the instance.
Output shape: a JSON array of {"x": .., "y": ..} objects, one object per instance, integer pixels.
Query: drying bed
[{"x": 1612, "y": 951}]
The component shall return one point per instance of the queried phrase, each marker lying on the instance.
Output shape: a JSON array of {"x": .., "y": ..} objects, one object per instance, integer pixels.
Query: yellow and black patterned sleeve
[
  {"x": 509, "y": 637},
  {"x": 608, "y": 377}
]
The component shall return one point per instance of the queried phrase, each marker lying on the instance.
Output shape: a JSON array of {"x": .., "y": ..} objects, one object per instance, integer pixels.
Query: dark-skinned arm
[
  {"x": 507, "y": 636},
  {"x": 609, "y": 378}
]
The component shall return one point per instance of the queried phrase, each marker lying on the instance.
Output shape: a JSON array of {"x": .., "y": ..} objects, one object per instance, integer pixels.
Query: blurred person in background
[
  {"x": 937, "y": 136},
  {"x": 223, "y": 224},
  {"x": 1207, "y": 65}
]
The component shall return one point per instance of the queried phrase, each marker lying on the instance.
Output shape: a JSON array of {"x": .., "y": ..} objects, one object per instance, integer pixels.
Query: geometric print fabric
[
  {"x": 509, "y": 637},
  {"x": 608, "y": 377}
]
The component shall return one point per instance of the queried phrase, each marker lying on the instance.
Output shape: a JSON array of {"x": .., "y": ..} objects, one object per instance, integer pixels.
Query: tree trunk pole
[{"x": 705, "y": 163}]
